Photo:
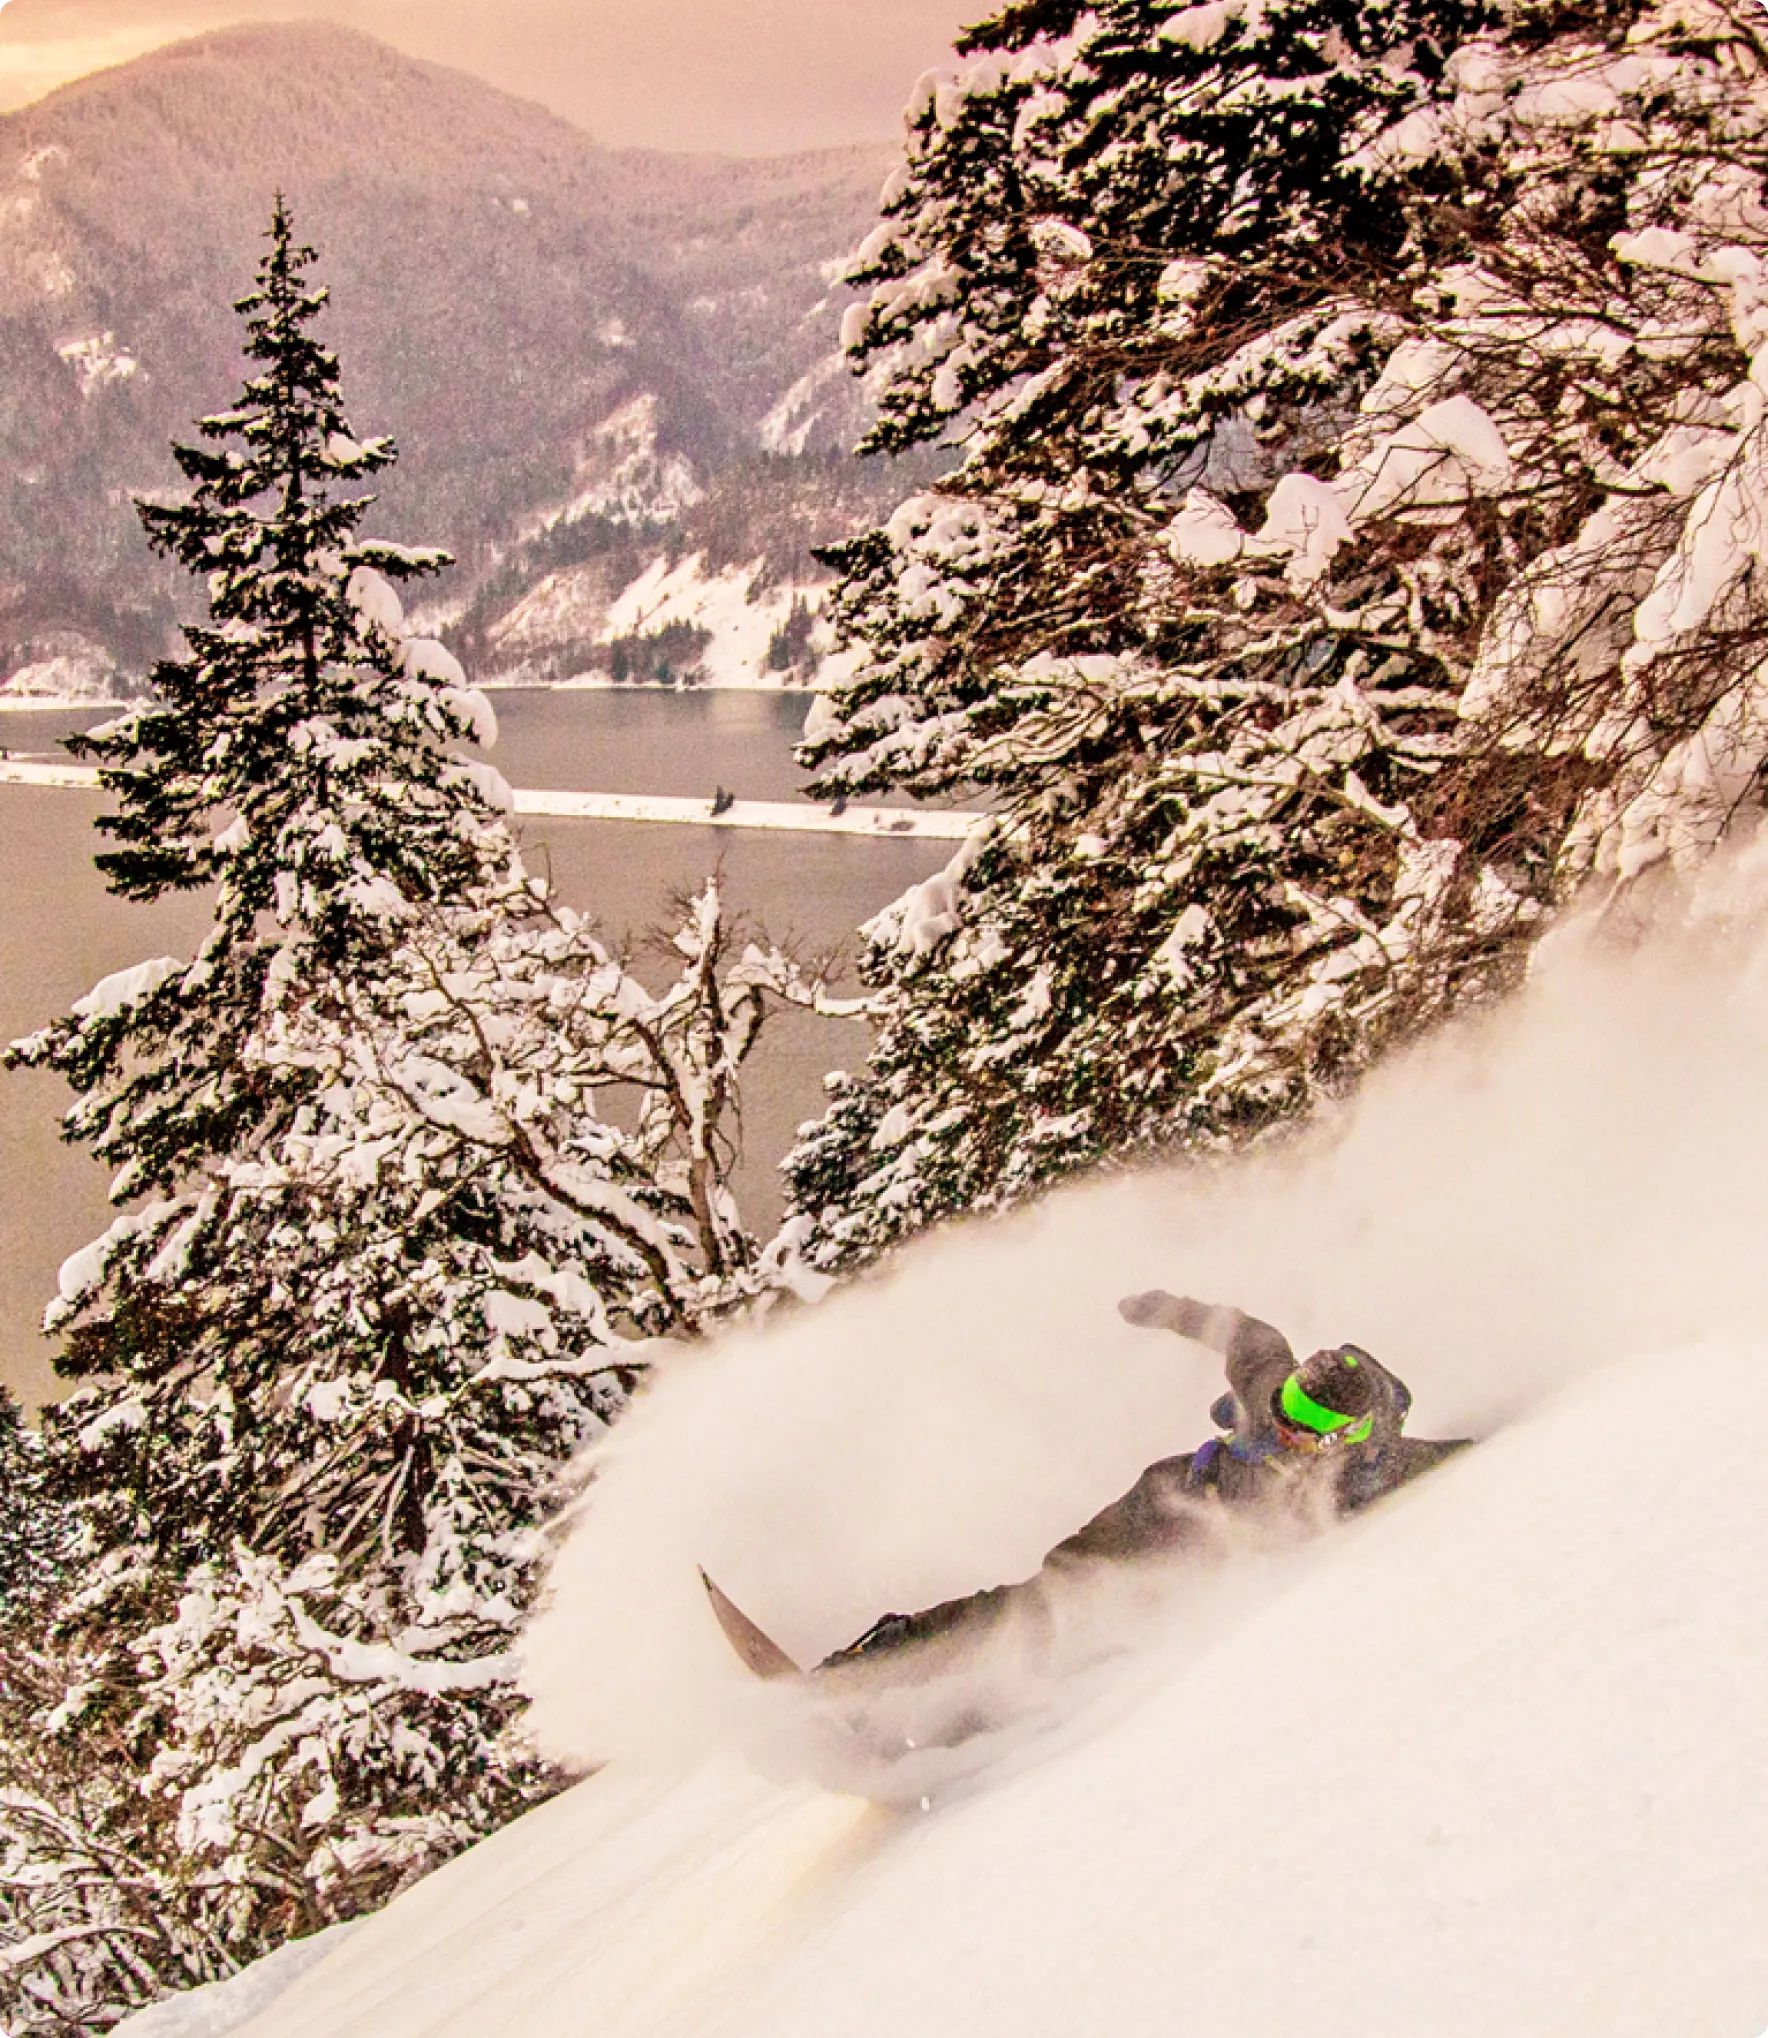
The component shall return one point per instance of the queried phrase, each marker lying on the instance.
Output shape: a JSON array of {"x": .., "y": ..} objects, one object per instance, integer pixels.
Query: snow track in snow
[
  {"x": 903, "y": 824},
  {"x": 897, "y": 823}
]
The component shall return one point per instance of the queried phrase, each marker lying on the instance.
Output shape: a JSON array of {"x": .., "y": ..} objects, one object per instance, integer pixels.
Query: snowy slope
[
  {"x": 1493, "y": 1767},
  {"x": 1486, "y": 1761},
  {"x": 737, "y": 608},
  {"x": 223, "y": 2006}
]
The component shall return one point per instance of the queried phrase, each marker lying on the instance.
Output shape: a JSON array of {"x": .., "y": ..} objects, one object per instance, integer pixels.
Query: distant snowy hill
[
  {"x": 1486, "y": 1760},
  {"x": 563, "y": 339}
]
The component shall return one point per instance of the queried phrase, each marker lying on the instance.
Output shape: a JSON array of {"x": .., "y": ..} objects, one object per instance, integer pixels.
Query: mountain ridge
[{"x": 502, "y": 287}]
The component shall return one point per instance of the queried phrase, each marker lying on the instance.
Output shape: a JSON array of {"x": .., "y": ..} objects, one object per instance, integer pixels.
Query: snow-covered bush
[{"x": 1356, "y": 548}]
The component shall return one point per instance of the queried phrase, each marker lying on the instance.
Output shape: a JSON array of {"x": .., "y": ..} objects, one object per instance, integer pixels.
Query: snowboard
[
  {"x": 757, "y": 1649},
  {"x": 895, "y": 1742}
]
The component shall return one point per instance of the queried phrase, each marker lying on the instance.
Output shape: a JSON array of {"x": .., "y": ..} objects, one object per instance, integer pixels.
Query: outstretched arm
[
  {"x": 1258, "y": 1355},
  {"x": 1241, "y": 1339}
]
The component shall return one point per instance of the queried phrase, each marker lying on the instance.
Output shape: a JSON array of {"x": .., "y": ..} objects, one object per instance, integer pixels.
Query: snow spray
[{"x": 1562, "y": 1185}]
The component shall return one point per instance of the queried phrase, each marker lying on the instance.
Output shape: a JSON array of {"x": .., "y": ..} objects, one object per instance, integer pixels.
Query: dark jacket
[
  {"x": 1178, "y": 1501},
  {"x": 1250, "y": 1468}
]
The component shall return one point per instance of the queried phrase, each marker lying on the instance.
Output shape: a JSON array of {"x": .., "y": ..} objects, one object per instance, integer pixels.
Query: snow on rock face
[
  {"x": 65, "y": 666},
  {"x": 738, "y": 610},
  {"x": 790, "y": 425},
  {"x": 623, "y": 475},
  {"x": 567, "y": 607},
  {"x": 741, "y": 617},
  {"x": 98, "y": 361}
]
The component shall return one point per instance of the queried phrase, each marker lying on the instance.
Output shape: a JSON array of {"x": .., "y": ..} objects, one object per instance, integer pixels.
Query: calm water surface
[
  {"x": 60, "y": 931},
  {"x": 643, "y": 741}
]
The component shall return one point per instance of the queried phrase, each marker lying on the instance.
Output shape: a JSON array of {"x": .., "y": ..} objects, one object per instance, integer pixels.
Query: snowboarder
[
  {"x": 1333, "y": 1424},
  {"x": 1319, "y": 1438}
]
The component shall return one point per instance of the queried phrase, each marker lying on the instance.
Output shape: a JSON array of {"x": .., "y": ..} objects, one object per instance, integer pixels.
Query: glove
[{"x": 1153, "y": 1310}]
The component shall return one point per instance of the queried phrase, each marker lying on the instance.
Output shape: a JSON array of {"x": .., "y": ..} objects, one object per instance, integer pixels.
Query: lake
[{"x": 61, "y": 931}]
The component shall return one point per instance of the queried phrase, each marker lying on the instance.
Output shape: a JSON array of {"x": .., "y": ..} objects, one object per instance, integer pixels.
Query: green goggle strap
[{"x": 1303, "y": 1410}]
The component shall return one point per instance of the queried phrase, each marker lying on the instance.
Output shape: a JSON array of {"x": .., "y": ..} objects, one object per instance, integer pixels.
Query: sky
[{"x": 750, "y": 77}]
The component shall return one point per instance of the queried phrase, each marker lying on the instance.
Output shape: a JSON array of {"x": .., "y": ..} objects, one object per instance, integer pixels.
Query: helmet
[{"x": 1330, "y": 1398}]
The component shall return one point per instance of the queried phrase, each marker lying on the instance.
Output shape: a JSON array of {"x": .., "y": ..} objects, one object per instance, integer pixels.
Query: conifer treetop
[
  {"x": 275, "y": 753},
  {"x": 264, "y": 512}
]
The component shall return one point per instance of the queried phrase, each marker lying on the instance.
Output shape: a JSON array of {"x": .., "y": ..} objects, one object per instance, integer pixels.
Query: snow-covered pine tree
[
  {"x": 1345, "y": 393},
  {"x": 386, "y": 1265},
  {"x": 34, "y": 1529},
  {"x": 300, "y": 762}
]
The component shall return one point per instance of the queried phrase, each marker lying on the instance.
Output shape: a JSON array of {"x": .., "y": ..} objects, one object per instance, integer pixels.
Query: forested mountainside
[{"x": 558, "y": 333}]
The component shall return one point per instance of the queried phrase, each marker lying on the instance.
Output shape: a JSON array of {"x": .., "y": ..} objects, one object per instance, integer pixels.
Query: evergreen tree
[
  {"x": 1343, "y": 392},
  {"x": 298, "y": 762},
  {"x": 388, "y": 1264},
  {"x": 34, "y": 1529}
]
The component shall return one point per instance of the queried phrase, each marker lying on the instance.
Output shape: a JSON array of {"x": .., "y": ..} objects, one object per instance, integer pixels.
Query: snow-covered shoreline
[
  {"x": 583, "y": 682},
  {"x": 42, "y": 771},
  {"x": 601, "y": 682},
  {"x": 777, "y": 816},
  {"x": 58, "y": 704}
]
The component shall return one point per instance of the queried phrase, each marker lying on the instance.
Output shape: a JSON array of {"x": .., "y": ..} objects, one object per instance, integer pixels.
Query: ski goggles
[{"x": 1323, "y": 1425}]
